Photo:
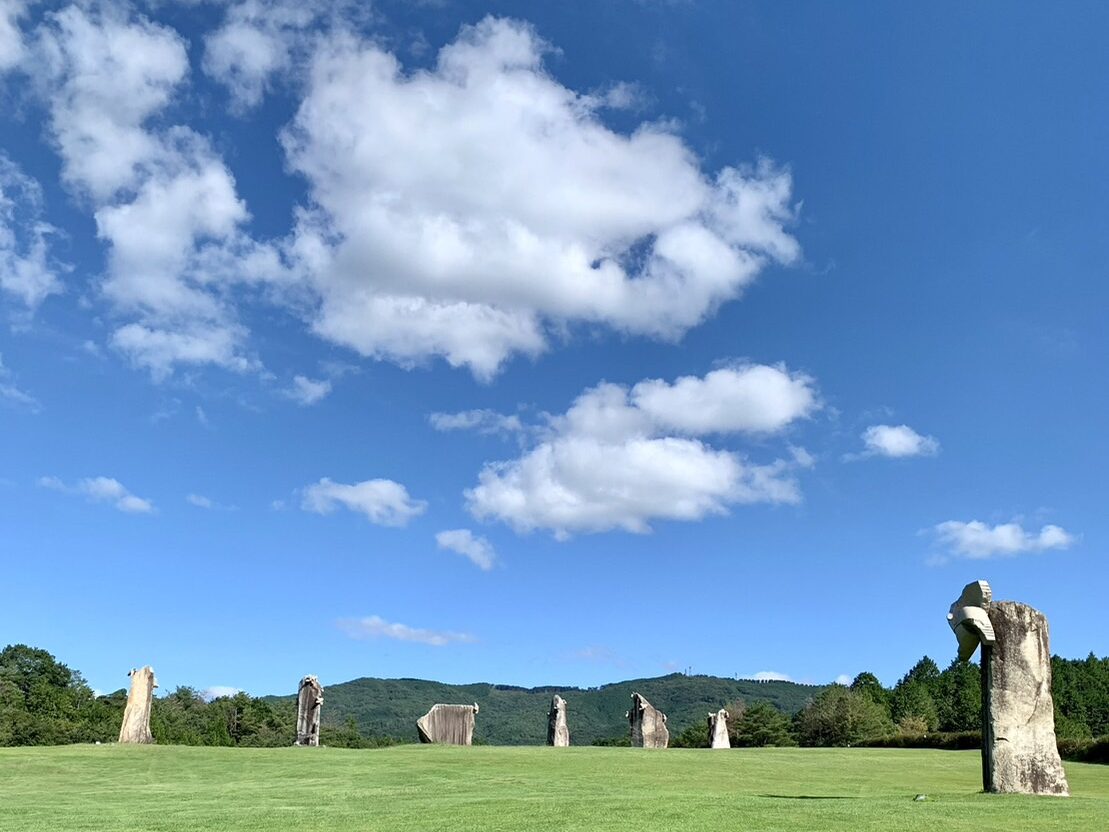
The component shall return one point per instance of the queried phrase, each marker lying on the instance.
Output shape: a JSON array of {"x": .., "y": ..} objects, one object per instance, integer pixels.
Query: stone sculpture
[
  {"x": 448, "y": 724},
  {"x": 558, "y": 734},
  {"x": 718, "y": 730},
  {"x": 1019, "y": 751},
  {"x": 136, "y": 716},
  {"x": 648, "y": 724},
  {"x": 309, "y": 703}
]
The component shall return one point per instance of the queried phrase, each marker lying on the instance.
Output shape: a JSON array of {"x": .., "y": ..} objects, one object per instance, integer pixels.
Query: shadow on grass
[{"x": 809, "y": 796}]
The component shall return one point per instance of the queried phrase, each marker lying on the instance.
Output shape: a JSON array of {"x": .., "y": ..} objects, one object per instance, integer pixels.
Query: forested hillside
[{"x": 518, "y": 716}]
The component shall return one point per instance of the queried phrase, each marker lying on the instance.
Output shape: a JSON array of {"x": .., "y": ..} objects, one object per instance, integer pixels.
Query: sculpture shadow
[{"x": 809, "y": 796}]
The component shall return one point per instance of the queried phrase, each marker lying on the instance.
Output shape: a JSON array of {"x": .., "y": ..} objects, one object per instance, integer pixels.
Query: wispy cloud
[
  {"x": 482, "y": 421},
  {"x": 102, "y": 490},
  {"x": 207, "y": 503},
  {"x": 308, "y": 391},
  {"x": 11, "y": 394},
  {"x": 769, "y": 676},
  {"x": 375, "y": 626},
  {"x": 463, "y": 541},
  {"x": 216, "y": 691}
]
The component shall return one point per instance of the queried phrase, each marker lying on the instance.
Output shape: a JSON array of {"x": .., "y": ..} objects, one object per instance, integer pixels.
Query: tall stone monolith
[
  {"x": 1019, "y": 750},
  {"x": 309, "y": 705},
  {"x": 136, "y": 716},
  {"x": 648, "y": 724},
  {"x": 558, "y": 733},
  {"x": 718, "y": 730},
  {"x": 448, "y": 724}
]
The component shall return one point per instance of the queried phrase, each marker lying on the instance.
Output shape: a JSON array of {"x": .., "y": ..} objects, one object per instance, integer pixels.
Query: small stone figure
[
  {"x": 309, "y": 704},
  {"x": 648, "y": 725},
  {"x": 558, "y": 734},
  {"x": 1019, "y": 751},
  {"x": 136, "y": 716},
  {"x": 718, "y": 730},
  {"x": 448, "y": 724}
]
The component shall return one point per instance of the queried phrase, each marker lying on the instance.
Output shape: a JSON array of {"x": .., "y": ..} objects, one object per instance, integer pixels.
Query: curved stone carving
[
  {"x": 970, "y": 619},
  {"x": 558, "y": 733},
  {"x": 648, "y": 724},
  {"x": 448, "y": 724},
  {"x": 309, "y": 705},
  {"x": 718, "y": 730},
  {"x": 136, "y": 716},
  {"x": 1019, "y": 750}
]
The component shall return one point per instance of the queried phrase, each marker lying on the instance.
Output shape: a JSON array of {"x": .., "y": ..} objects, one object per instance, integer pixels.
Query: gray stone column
[
  {"x": 558, "y": 733},
  {"x": 309, "y": 705}
]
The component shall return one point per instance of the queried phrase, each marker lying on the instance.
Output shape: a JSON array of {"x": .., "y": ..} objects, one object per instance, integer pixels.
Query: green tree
[
  {"x": 841, "y": 717},
  {"x": 958, "y": 697},
  {"x": 761, "y": 725}
]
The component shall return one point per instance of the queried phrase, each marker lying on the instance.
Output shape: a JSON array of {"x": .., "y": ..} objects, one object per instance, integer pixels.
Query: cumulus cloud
[
  {"x": 480, "y": 202},
  {"x": 162, "y": 198},
  {"x": 26, "y": 271},
  {"x": 770, "y": 676},
  {"x": 383, "y": 502},
  {"x": 463, "y": 541},
  {"x": 260, "y": 41},
  {"x": 216, "y": 691},
  {"x": 898, "y": 441},
  {"x": 102, "y": 490},
  {"x": 206, "y": 503},
  {"x": 376, "y": 627},
  {"x": 307, "y": 391},
  {"x": 978, "y": 540},
  {"x": 620, "y": 457},
  {"x": 842, "y": 679},
  {"x": 483, "y": 421}
]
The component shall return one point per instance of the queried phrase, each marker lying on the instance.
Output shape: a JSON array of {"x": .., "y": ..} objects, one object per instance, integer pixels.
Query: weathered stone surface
[
  {"x": 309, "y": 705},
  {"x": 1025, "y": 754},
  {"x": 1019, "y": 751},
  {"x": 648, "y": 725},
  {"x": 718, "y": 730},
  {"x": 558, "y": 733},
  {"x": 448, "y": 724},
  {"x": 136, "y": 716}
]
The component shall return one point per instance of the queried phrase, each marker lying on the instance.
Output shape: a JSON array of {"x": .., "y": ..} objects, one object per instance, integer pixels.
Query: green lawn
[{"x": 141, "y": 789}]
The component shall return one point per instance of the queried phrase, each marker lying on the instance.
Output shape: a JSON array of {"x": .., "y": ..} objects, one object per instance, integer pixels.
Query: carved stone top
[{"x": 969, "y": 618}]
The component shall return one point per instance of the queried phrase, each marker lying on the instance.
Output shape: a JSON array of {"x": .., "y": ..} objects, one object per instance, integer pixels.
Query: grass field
[{"x": 136, "y": 789}]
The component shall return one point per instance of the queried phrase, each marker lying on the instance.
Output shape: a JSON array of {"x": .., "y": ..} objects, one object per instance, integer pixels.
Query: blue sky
[{"x": 547, "y": 343}]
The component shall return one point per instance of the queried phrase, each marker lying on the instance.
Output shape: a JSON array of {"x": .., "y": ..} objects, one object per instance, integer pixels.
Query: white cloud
[
  {"x": 478, "y": 203},
  {"x": 162, "y": 199},
  {"x": 978, "y": 541},
  {"x": 12, "y": 394},
  {"x": 383, "y": 502},
  {"x": 207, "y": 503},
  {"x": 261, "y": 40},
  {"x": 483, "y": 421},
  {"x": 11, "y": 38},
  {"x": 376, "y": 627},
  {"x": 477, "y": 549},
  {"x": 770, "y": 676},
  {"x": 620, "y": 457},
  {"x": 307, "y": 391},
  {"x": 102, "y": 490},
  {"x": 898, "y": 441},
  {"x": 216, "y": 691},
  {"x": 26, "y": 272},
  {"x": 842, "y": 679}
]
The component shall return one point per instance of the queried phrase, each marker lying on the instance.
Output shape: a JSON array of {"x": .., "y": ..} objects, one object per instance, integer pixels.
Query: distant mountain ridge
[{"x": 512, "y": 715}]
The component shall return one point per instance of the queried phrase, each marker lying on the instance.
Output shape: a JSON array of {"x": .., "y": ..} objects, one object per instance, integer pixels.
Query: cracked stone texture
[
  {"x": 648, "y": 724},
  {"x": 718, "y": 730},
  {"x": 558, "y": 733},
  {"x": 448, "y": 724},
  {"x": 1025, "y": 754},
  {"x": 309, "y": 704},
  {"x": 136, "y": 716}
]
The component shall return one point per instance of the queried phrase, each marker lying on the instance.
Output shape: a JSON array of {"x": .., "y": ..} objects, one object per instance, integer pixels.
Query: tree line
[{"x": 43, "y": 702}]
